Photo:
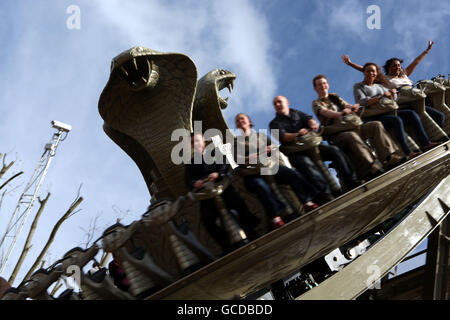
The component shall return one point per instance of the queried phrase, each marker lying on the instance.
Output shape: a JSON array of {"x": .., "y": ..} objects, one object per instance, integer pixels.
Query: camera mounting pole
[{"x": 27, "y": 199}]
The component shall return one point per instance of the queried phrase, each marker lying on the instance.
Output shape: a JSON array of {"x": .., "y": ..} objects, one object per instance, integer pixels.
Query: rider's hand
[
  {"x": 303, "y": 131},
  {"x": 213, "y": 176},
  {"x": 388, "y": 94},
  {"x": 346, "y": 59},
  {"x": 355, "y": 107},
  {"x": 430, "y": 44},
  {"x": 313, "y": 124},
  {"x": 198, "y": 184},
  {"x": 253, "y": 158},
  {"x": 346, "y": 111}
]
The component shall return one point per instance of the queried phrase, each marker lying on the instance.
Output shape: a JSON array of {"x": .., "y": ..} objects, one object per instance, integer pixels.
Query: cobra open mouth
[
  {"x": 139, "y": 72},
  {"x": 225, "y": 80}
]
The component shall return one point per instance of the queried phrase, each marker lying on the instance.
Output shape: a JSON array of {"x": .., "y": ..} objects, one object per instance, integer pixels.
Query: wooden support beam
[
  {"x": 437, "y": 263},
  {"x": 360, "y": 274}
]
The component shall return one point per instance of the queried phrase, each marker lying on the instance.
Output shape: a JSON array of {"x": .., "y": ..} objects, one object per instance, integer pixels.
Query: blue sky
[{"x": 275, "y": 47}]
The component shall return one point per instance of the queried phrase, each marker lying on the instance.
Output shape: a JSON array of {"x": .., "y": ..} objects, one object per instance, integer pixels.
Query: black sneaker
[{"x": 324, "y": 198}]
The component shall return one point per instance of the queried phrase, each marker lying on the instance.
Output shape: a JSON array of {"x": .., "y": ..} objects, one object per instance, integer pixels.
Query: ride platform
[{"x": 284, "y": 251}]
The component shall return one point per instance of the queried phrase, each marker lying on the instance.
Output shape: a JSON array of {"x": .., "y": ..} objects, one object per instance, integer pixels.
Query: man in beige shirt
[{"x": 330, "y": 107}]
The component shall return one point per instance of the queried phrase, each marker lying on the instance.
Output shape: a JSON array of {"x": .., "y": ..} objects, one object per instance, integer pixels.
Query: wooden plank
[
  {"x": 436, "y": 271},
  {"x": 408, "y": 286}
]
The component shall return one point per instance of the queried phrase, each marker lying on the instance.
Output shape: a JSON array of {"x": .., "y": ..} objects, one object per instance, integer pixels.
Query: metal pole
[
  {"x": 28, "y": 186},
  {"x": 51, "y": 154}
]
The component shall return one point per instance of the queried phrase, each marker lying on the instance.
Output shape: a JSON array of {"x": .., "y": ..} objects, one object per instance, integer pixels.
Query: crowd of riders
[{"x": 358, "y": 151}]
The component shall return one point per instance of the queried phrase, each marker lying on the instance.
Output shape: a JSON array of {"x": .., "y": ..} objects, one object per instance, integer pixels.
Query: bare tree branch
[
  {"x": 91, "y": 231},
  {"x": 1, "y": 199},
  {"x": 105, "y": 258},
  {"x": 121, "y": 214},
  {"x": 79, "y": 190},
  {"x": 27, "y": 245},
  {"x": 56, "y": 287},
  {"x": 5, "y": 167},
  {"x": 52, "y": 236},
  {"x": 10, "y": 179},
  {"x": 12, "y": 189},
  {"x": 73, "y": 213}
]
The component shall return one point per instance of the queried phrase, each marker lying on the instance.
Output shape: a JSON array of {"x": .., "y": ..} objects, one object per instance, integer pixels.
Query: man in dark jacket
[
  {"x": 196, "y": 174},
  {"x": 292, "y": 123},
  {"x": 118, "y": 274}
]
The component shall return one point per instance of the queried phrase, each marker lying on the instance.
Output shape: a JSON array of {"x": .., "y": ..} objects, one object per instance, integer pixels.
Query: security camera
[{"x": 61, "y": 126}]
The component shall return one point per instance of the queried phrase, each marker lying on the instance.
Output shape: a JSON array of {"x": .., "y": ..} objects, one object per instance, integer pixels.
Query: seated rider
[
  {"x": 118, "y": 274},
  {"x": 304, "y": 191},
  {"x": 330, "y": 106},
  {"x": 195, "y": 174},
  {"x": 291, "y": 123}
]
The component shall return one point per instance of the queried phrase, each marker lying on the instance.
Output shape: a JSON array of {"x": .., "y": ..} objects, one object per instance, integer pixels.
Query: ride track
[{"x": 281, "y": 252}]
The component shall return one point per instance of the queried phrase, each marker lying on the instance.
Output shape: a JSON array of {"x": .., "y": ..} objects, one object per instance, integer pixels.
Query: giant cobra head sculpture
[{"x": 149, "y": 95}]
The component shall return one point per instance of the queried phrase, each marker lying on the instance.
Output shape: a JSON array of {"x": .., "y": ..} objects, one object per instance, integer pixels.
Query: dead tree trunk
[
  {"x": 105, "y": 258},
  {"x": 27, "y": 245},
  {"x": 52, "y": 236},
  {"x": 5, "y": 166},
  {"x": 57, "y": 286}
]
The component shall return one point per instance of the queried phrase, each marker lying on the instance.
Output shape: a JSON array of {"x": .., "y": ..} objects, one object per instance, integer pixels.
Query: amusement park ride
[{"x": 344, "y": 249}]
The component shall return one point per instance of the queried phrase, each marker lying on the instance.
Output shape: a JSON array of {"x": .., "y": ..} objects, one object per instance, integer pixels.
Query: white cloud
[
  {"x": 57, "y": 74},
  {"x": 243, "y": 34},
  {"x": 231, "y": 35},
  {"x": 348, "y": 16},
  {"x": 424, "y": 21}
]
